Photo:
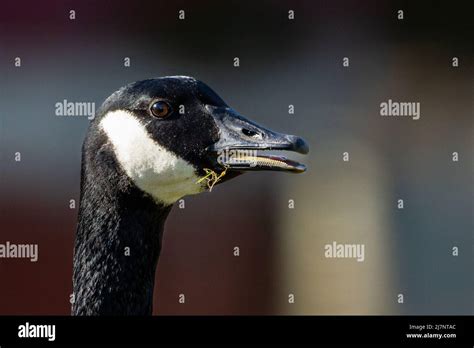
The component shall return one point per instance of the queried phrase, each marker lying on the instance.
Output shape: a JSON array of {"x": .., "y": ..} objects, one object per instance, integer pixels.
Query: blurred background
[{"x": 282, "y": 62}]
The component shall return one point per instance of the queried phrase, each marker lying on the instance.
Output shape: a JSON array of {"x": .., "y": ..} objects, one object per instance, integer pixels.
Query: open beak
[{"x": 242, "y": 142}]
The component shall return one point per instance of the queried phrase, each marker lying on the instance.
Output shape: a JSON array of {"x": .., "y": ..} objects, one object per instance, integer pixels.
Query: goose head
[{"x": 168, "y": 133}]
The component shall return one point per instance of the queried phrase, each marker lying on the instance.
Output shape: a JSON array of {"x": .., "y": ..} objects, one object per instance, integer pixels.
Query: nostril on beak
[{"x": 249, "y": 133}]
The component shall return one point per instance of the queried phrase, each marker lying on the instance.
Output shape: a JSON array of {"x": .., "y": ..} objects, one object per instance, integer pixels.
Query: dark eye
[{"x": 160, "y": 109}]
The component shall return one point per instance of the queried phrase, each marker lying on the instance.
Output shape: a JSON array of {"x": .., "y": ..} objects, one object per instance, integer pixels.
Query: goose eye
[{"x": 160, "y": 109}]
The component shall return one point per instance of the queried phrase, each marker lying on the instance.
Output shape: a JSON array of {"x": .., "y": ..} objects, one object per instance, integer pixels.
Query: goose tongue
[{"x": 272, "y": 162}]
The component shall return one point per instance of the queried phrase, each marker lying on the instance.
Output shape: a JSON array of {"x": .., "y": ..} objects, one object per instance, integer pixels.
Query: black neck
[{"x": 118, "y": 244}]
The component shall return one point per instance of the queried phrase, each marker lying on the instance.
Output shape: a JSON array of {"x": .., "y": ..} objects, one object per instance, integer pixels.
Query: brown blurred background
[{"x": 283, "y": 62}]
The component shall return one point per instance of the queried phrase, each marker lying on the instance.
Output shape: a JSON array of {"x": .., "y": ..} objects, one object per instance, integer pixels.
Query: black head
[{"x": 168, "y": 132}]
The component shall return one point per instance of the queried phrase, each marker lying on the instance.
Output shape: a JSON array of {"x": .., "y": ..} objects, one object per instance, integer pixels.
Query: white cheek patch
[{"x": 152, "y": 167}]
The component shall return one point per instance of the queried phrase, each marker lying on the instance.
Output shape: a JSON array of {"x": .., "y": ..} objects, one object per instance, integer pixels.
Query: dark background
[{"x": 283, "y": 62}]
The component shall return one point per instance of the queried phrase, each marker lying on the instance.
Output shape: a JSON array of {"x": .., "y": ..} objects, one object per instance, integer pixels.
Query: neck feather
[{"x": 118, "y": 242}]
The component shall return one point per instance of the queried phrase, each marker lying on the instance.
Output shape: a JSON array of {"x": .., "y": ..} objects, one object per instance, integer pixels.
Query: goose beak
[{"x": 242, "y": 142}]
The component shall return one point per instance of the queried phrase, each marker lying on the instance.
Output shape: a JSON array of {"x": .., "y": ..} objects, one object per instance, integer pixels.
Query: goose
[{"x": 150, "y": 144}]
